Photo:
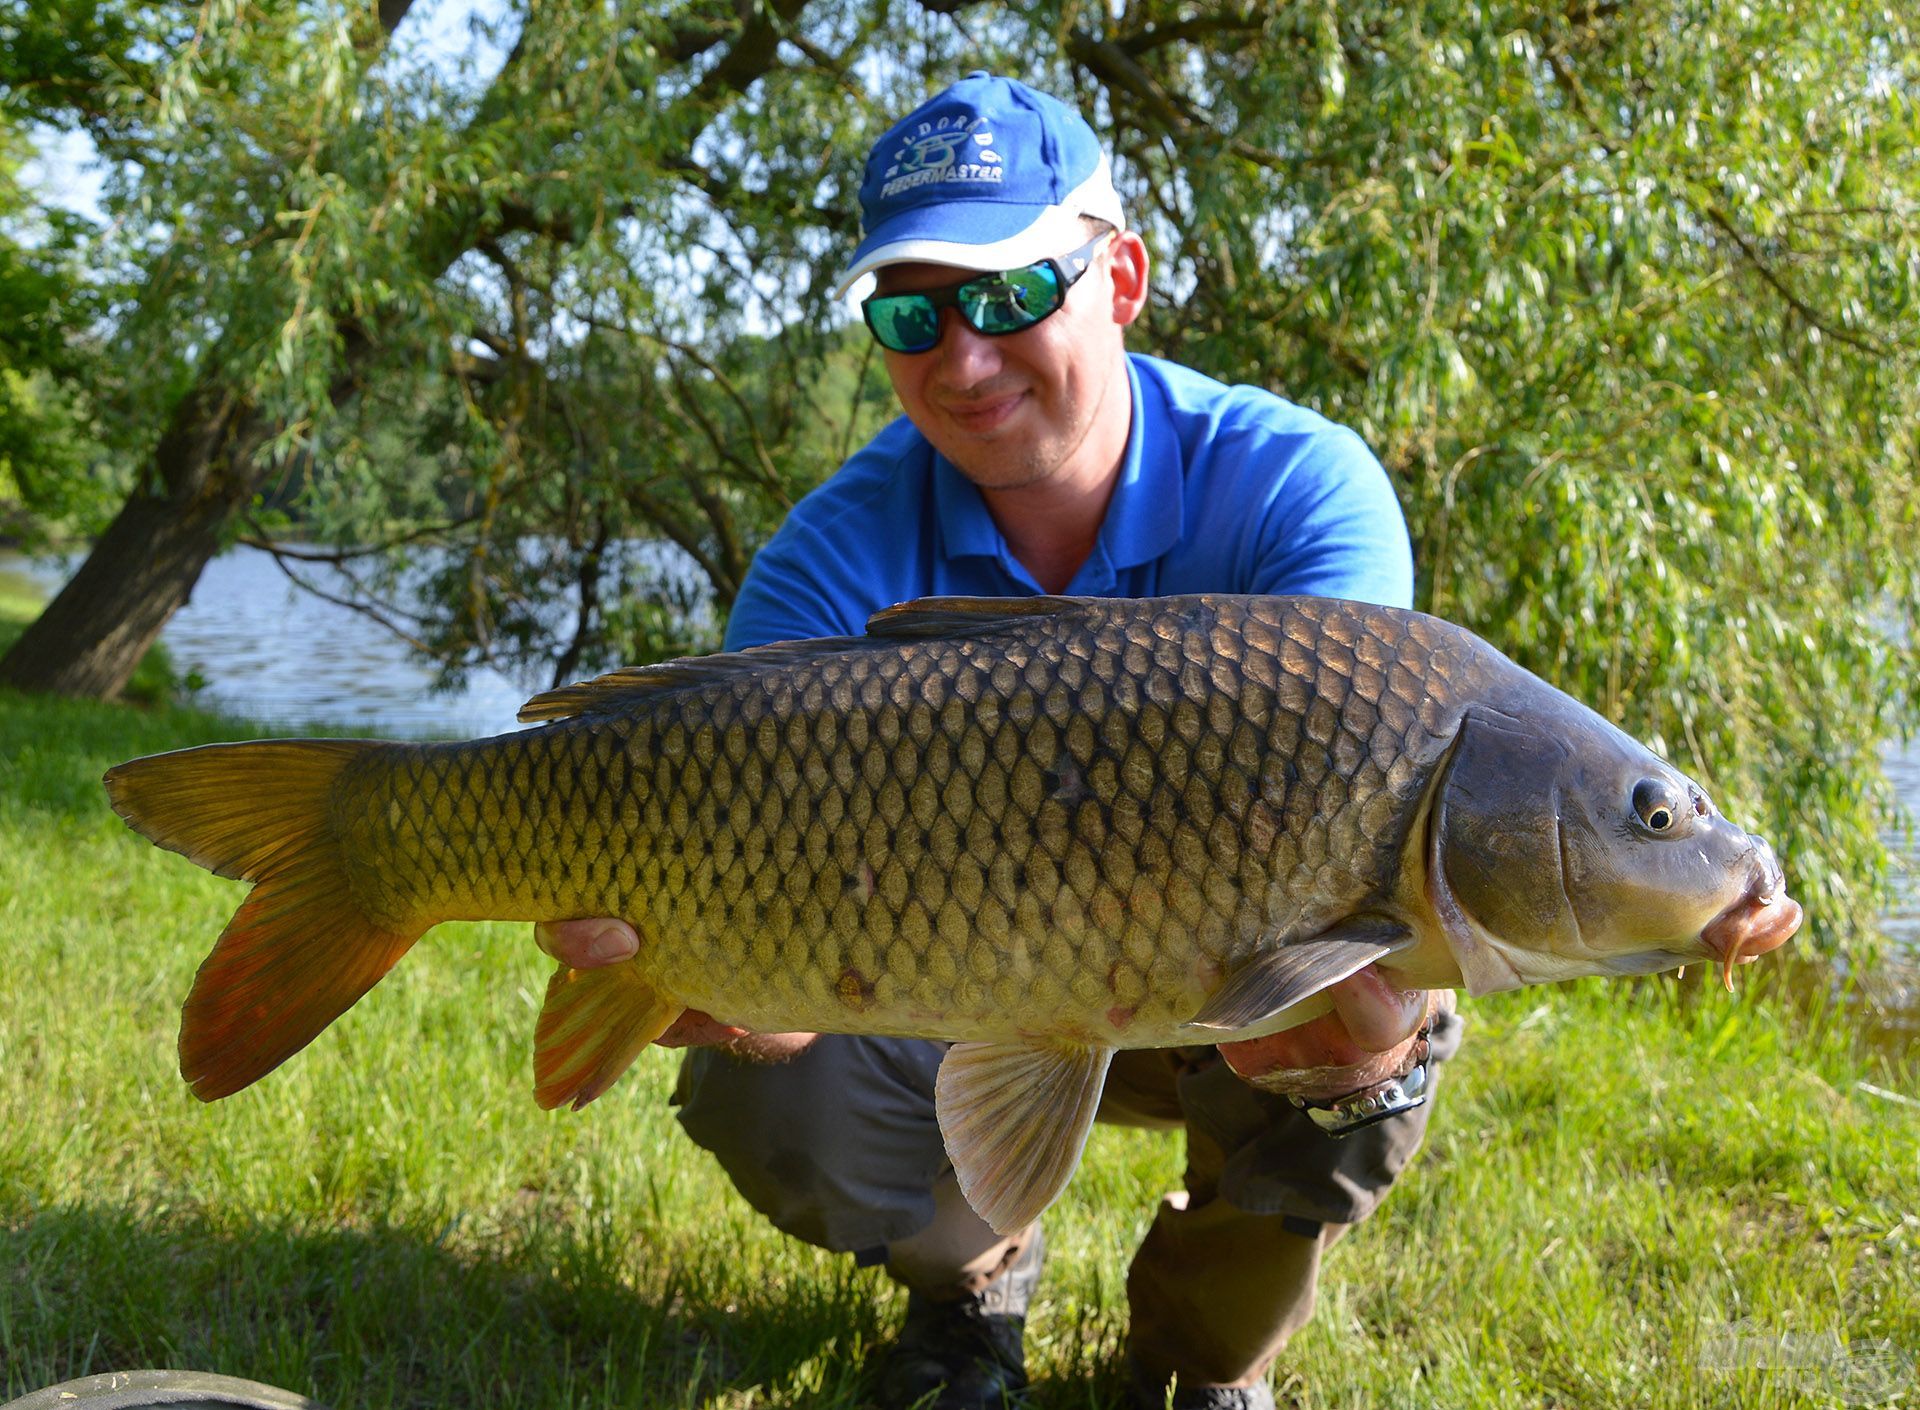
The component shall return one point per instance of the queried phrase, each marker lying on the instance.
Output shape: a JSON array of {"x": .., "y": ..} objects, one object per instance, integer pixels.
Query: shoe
[
  {"x": 965, "y": 1354},
  {"x": 1144, "y": 1393}
]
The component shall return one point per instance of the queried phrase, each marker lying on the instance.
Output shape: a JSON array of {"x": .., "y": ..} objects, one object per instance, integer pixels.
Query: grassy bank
[{"x": 1632, "y": 1197}]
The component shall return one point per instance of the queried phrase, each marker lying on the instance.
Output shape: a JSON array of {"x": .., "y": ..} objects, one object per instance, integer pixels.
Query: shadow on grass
[{"x": 397, "y": 1316}]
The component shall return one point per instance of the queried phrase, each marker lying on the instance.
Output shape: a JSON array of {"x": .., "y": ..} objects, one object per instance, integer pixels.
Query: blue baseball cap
[{"x": 989, "y": 174}]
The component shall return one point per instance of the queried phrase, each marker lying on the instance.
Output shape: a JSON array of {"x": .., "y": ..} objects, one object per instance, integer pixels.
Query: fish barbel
[{"x": 1044, "y": 828}]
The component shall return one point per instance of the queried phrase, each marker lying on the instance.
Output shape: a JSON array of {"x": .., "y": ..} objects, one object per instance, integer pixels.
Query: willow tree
[
  {"x": 47, "y": 453},
  {"x": 1623, "y": 296},
  {"x": 317, "y": 219}
]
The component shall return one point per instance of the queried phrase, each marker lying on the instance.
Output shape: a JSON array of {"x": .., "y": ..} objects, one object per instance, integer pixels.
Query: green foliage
[
  {"x": 1624, "y": 297},
  {"x": 53, "y": 475}
]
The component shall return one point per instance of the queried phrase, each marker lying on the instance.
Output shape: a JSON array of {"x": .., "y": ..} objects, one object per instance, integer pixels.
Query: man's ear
[{"x": 1127, "y": 264}]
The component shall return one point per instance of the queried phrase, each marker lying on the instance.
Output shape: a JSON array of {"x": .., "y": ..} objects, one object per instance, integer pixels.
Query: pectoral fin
[
  {"x": 1015, "y": 1117},
  {"x": 1281, "y": 976},
  {"x": 594, "y": 1024}
]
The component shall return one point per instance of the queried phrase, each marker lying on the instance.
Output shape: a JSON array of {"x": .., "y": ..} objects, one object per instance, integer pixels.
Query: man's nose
[{"x": 967, "y": 356}]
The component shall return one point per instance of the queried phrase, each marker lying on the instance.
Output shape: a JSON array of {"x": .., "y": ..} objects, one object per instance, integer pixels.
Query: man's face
[{"x": 1015, "y": 410}]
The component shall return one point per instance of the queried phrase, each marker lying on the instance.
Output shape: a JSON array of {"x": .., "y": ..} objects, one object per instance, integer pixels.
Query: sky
[
  {"x": 440, "y": 34},
  {"x": 64, "y": 171}
]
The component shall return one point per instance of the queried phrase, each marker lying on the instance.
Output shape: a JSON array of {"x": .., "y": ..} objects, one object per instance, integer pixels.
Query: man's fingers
[
  {"x": 1378, "y": 1015},
  {"x": 1288, "y": 1075},
  {"x": 1318, "y": 1045},
  {"x": 1367, "y": 1038},
  {"x": 587, "y": 944},
  {"x": 694, "y": 1029}
]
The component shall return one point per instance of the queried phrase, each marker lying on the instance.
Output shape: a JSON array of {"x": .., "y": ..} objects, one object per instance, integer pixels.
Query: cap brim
[{"x": 926, "y": 237}]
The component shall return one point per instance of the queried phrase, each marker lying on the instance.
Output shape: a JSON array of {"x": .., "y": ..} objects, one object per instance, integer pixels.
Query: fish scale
[
  {"x": 1046, "y": 829},
  {"x": 1082, "y": 819}
]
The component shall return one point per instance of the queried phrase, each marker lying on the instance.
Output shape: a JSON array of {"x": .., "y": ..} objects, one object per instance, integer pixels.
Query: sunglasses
[{"x": 1010, "y": 301}]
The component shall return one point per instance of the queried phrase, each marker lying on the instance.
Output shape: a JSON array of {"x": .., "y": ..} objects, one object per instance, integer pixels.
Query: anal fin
[
  {"x": 592, "y": 1027},
  {"x": 1015, "y": 1117},
  {"x": 1281, "y": 976}
]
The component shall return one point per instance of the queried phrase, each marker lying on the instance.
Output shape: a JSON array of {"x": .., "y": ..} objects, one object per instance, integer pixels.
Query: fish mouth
[{"x": 1763, "y": 919}]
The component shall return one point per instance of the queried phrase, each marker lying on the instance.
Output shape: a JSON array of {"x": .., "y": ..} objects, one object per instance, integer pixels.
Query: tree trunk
[
  {"x": 143, "y": 568},
  {"x": 141, "y": 571}
]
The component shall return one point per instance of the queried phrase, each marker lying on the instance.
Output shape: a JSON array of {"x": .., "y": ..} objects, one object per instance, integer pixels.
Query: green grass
[{"x": 1623, "y": 1187}]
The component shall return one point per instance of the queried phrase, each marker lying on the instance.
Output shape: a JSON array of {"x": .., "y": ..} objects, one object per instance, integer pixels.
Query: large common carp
[{"x": 1046, "y": 828}]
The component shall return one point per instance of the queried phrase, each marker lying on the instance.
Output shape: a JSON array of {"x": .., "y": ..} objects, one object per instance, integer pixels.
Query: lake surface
[
  {"x": 271, "y": 652},
  {"x": 1889, "y": 1001}
]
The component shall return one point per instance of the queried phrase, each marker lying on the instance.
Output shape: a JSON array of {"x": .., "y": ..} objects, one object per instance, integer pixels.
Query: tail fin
[{"x": 300, "y": 951}]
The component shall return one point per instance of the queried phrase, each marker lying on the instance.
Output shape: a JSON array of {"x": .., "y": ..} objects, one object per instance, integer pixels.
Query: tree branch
[
  {"x": 391, "y": 12},
  {"x": 1109, "y": 61},
  {"x": 1569, "y": 83},
  {"x": 753, "y": 52},
  {"x": 1152, "y": 36},
  {"x": 365, "y": 608},
  {"x": 1779, "y": 286}
]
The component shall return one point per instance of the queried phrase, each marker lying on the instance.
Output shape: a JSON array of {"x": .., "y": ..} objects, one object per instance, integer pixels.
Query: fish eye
[{"x": 1654, "y": 805}]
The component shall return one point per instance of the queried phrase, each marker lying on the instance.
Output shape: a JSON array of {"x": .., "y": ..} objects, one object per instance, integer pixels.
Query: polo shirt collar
[
  {"x": 967, "y": 530},
  {"x": 1144, "y": 519}
]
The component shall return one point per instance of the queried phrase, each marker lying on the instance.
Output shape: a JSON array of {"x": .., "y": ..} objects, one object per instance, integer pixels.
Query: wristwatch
[{"x": 1375, "y": 1102}]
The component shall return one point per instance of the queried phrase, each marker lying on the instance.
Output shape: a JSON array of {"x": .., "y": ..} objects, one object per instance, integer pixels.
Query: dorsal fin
[
  {"x": 929, "y": 617},
  {"x": 618, "y": 691}
]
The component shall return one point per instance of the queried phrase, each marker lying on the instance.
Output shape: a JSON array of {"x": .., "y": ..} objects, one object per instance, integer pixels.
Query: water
[
  {"x": 1887, "y": 1002},
  {"x": 271, "y": 652}
]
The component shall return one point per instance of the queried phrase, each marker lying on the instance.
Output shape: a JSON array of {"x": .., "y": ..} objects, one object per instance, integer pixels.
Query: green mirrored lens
[
  {"x": 1038, "y": 290},
  {"x": 1006, "y": 303},
  {"x": 905, "y": 322},
  {"x": 991, "y": 303}
]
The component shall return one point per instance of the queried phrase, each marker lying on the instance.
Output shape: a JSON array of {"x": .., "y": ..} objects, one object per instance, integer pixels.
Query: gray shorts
[{"x": 840, "y": 1147}]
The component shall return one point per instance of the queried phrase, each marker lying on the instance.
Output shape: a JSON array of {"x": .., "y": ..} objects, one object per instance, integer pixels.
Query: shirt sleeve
[{"x": 1338, "y": 530}]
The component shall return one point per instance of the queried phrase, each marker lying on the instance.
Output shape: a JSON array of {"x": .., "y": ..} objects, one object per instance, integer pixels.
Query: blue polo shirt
[{"x": 1222, "y": 489}]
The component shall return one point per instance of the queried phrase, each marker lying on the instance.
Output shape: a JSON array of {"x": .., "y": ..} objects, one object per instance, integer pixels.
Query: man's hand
[
  {"x": 1366, "y": 1039},
  {"x": 589, "y": 944}
]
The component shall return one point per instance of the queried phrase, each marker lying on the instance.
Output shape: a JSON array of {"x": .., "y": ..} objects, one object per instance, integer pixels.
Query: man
[{"x": 1036, "y": 455}]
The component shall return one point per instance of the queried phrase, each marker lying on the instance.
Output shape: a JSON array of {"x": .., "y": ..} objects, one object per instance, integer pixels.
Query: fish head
[{"x": 1560, "y": 847}]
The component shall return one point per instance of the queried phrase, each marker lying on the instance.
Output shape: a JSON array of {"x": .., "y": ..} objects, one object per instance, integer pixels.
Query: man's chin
[{"x": 1011, "y": 468}]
